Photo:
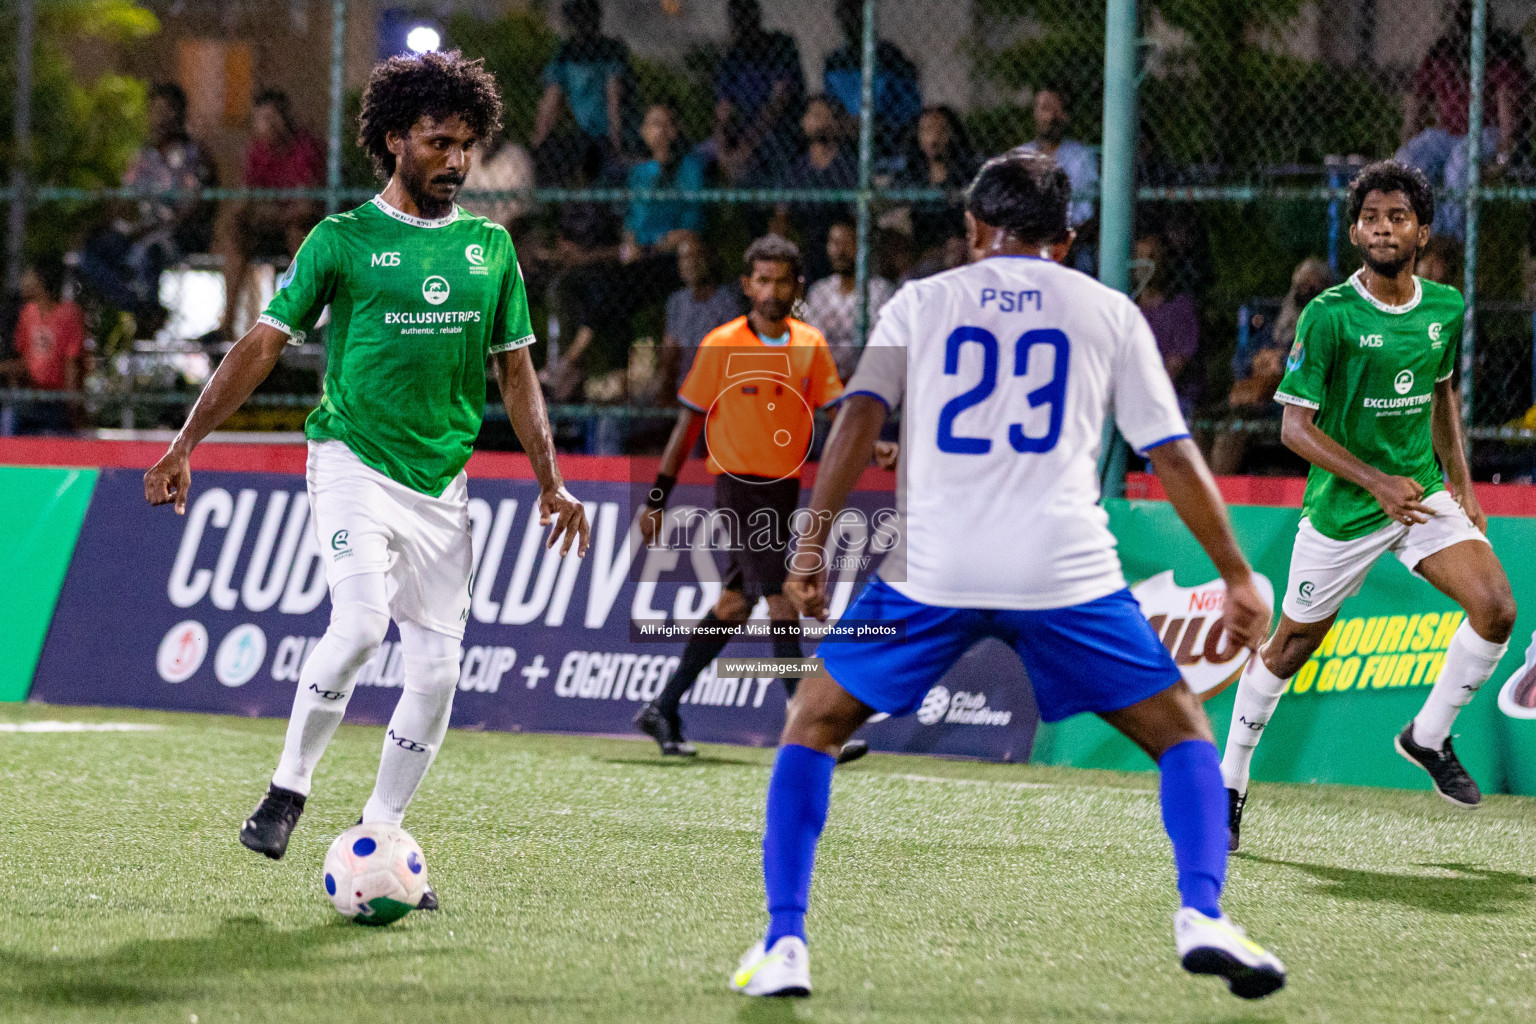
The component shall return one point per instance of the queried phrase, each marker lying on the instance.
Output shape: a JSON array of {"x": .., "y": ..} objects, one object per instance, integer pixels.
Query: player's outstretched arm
[
  {"x": 524, "y": 402},
  {"x": 849, "y": 448},
  {"x": 1192, "y": 492},
  {"x": 1450, "y": 446},
  {"x": 1398, "y": 496},
  {"x": 245, "y": 367},
  {"x": 685, "y": 434}
]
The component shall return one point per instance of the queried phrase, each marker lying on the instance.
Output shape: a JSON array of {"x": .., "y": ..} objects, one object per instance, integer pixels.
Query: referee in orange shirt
[{"x": 755, "y": 385}]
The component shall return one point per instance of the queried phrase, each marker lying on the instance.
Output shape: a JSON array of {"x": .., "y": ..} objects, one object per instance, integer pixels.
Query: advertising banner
[
  {"x": 217, "y": 610},
  {"x": 40, "y": 513},
  {"x": 1370, "y": 676}
]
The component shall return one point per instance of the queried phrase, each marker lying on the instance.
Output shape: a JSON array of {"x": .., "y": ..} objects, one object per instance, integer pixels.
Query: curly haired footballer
[{"x": 403, "y": 90}]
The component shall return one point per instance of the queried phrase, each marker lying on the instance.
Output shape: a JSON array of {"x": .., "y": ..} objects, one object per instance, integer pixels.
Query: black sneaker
[
  {"x": 428, "y": 900},
  {"x": 852, "y": 751},
  {"x": 1450, "y": 778},
  {"x": 667, "y": 732},
  {"x": 267, "y": 829},
  {"x": 1235, "y": 802}
]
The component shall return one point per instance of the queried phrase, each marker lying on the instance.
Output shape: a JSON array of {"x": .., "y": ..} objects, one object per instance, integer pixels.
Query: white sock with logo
[
  {"x": 420, "y": 721},
  {"x": 1469, "y": 661},
  {"x": 1258, "y": 691},
  {"x": 359, "y": 620}
]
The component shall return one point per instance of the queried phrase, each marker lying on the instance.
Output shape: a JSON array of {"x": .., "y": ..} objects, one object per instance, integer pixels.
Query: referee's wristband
[{"x": 661, "y": 490}]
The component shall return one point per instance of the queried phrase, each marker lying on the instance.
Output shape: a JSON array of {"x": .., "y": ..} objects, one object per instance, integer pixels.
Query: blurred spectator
[
  {"x": 281, "y": 155},
  {"x": 825, "y": 164},
  {"x": 895, "y": 254},
  {"x": 832, "y": 303},
  {"x": 660, "y": 224},
  {"x": 941, "y": 157},
  {"x": 502, "y": 166},
  {"x": 954, "y": 252},
  {"x": 759, "y": 90},
  {"x": 123, "y": 263},
  {"x": 50, "y": 348},
  {"x": 701, "y": 305},
  {"x": 898, "y": 95},
  {"x": 1174, "y": 319},
  {"x": 1053, "y": 116},
  {"x": 1258, "y": 367},
  {"x": 1442, "y": 83},
  {"x": 1440, "y": 261},
  {"x": 591, "y": 76}
]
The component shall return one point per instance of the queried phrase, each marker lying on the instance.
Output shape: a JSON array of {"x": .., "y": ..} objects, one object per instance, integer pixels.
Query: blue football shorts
[{"x": 1095, "y": 657}]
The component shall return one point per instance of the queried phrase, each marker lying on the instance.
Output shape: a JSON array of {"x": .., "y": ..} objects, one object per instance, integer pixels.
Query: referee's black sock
[
  {"x": 700, "y": 651},
  {"x": 786, "y": 644}
]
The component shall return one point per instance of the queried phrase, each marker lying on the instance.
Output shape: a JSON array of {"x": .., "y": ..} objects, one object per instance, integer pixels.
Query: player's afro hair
[
  {"x": 774, "y": 249},
  {"x": 1024, "y": 193},
  {"x": 1391, "y": 176},
  {"x": 403, "y": 90}
]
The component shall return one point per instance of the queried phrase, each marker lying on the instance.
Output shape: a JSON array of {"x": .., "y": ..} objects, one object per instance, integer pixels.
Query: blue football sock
[
  {"x": 1195, "y": 815},
  {"x": 798, "y": 795}
]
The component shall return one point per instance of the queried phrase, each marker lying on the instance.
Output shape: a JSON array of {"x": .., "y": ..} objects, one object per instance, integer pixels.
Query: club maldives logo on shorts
[
  {"x": 959, "y": 708},
  {"x": 435, "y": 290},
  {"x": 1188, "y": 621},
  {"x": 475, "y": 255},
  {"x": 182, "y": 651},
  {"x": 240, "y": 655},
  {"x": 1403, "y": 382}
]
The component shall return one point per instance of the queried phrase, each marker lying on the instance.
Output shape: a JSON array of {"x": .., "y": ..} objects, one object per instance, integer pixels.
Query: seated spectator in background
[
  {"x": 940, "y": 158},
  {"x": 281, "y": 155},
  {"x": 1258, "y": 366},
  {"x": 502, "y": 166},
  {"x": 698, "y": 307},
  {"x": 954, "y": 252},
  {"x": 759, "y": 90},
  {"x": 657, "y": 225},
  {"x": 824, "y": 164},
  {"x": 1443, "y": 83},
  {"x": 50, "y": 349},
  {"x": 832, "y": 303},
  {"x": 1053, "y": 116},
  {"x": 898, "y": 95},
  {"x": 895, "y": 254},
  {"x": 1440, "y": 261},
  {"x": 590, "y": 76},
  {"x": 1174, "y": 319},
  {"x": 123, "y": 263}
]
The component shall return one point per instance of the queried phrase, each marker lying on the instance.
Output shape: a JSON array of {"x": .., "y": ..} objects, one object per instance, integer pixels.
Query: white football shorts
[
  {"x": 1326, "y": 572},
  {"x": 366, "y": 522}
]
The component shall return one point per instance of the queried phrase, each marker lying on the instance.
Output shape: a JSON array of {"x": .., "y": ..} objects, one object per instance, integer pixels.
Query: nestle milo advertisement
[{"x": 1370, "y": 676}]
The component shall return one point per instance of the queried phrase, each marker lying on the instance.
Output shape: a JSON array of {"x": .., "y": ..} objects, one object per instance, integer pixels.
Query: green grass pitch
[{"x": 587, "y": 880}]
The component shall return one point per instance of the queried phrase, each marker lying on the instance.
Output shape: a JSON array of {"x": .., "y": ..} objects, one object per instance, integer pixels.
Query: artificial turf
[{"x": 586, "y": 879}]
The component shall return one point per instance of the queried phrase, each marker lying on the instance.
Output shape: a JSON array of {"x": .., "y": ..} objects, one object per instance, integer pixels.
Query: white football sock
[
  {"x": 359, "y": 620},
  {"x": 1469, "y": 662},
  {"x": 420, "y": 721},
  {"x": 1258, "y": 691}
]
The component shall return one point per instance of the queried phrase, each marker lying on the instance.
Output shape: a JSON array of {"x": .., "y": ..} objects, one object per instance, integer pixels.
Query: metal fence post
[
  {"x": 866, "y": 171},
  {"x": 333, "y": 127},
  {"x": 16, "y": 226},
  {"x": 1472, "y": 198},
  {"x": 1117, "y": 191}
]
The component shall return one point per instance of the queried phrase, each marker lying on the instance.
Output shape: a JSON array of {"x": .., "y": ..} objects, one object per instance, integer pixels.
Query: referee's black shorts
[{"x": 758, "y": 568}]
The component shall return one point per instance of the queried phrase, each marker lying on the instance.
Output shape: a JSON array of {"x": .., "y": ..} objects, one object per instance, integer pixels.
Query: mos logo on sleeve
[{"x": 435, "y": 290}]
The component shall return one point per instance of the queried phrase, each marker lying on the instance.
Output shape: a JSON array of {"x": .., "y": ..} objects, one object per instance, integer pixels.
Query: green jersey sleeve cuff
[
  {"x": 1442, "y": 380},
  {"x": 508, "y": 346},
  {"x": 1282, "y": 397},
  {"x": 295, "y": 337}
]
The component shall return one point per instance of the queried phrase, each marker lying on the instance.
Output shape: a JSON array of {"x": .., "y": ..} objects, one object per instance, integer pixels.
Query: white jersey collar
[
  {"x": 1359, "y": 285},
  {"x": 415, "y": 222}
]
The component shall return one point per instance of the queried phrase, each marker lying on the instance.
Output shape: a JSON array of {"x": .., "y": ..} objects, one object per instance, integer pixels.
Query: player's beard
[
  {"x": 418, "y": 185},
  {"x": 1389, "y": 268}
]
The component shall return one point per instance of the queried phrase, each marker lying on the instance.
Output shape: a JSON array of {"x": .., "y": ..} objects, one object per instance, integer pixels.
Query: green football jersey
[
  {"x": 1370, "y": 370},
  {"x": 416, "y": 307}
]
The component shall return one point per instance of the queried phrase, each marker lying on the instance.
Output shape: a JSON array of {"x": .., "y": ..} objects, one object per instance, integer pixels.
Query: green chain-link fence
[{"x": 647, "y": 141}]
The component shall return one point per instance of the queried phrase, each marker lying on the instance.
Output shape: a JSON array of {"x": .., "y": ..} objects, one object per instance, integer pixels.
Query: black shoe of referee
[
  {"x": 1235, "y": 802},
  {"x": 852, "y": 751},
  {"x": 267, "y": 829},
  {"x": 667, "y": 732},
  {"x": 1451, "y": 780}
]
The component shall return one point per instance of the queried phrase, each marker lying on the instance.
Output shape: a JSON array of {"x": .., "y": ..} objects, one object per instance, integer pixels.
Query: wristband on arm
[{"x": 660, "y": 491}]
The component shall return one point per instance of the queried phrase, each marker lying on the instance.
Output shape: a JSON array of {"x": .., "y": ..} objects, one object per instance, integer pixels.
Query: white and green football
[{"x": 375, "y": 874}]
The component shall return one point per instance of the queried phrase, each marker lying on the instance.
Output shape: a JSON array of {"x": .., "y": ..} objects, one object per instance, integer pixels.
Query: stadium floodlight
[{"x": 423, "y": 39}]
